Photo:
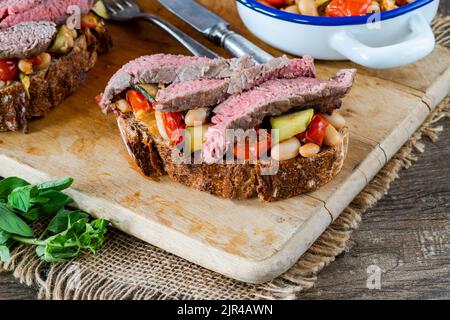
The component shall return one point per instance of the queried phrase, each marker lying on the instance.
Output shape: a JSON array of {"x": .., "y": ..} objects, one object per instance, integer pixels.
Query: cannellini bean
[
  {"x": 320, "y": 2},
  {"x": 307, "y": 7},
  {"x": 123, "y": 106},
  {"x": 332, "y": 137},
  {"x": 26, "y": 66},
  {"x": 309, "y": 150},
  {"x": 196, "y": 117},
  {"x": 46, "y": 59},
  {"x": 292, "y": 9},
  {"x": 336, "y": 120},
  {"x": 373, "y": 7},
  {"x": 286, "y": 150},
  {"x": 387, "y": 5}
]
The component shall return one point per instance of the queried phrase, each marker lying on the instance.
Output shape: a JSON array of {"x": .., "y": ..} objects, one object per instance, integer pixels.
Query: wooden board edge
[{"x": 438, "y": 90}]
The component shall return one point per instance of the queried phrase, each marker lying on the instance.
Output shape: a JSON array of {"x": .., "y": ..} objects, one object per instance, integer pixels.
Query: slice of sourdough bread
[
  {"x": 50, "y": 87},
  {"x": 233, "y": 181}
]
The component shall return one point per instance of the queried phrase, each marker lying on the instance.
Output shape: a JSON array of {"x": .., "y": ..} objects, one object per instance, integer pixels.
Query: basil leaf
[
  {"x": 40, "y": 251},
  {"x": 56, "y": 201},
  {"x": 20, "y": 198},
  {"x": 57, "y": 185},
  {"x": 8, "y": 185},
  {"x": 11, "y": 223},
  {"x": 38, "y": 200},
  {"x": 79, "y": 236},
  {"x": 63, "y": 219},
  {"x": 4, "y": 253},
  {"x": 4, "y": 236}
]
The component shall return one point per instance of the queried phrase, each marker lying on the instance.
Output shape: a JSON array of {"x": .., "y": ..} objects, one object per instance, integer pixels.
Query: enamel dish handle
[{"x": 419, "y": 43}]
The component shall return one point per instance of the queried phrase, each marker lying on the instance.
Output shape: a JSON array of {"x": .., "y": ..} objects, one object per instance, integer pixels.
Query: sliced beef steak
[
  {"x": 13, "y": 12},
  {"x": 272, "y": 98},
  {"x": 26, "y": 39},
  {"x": 165, "y": 68},
  {"x": 206, "y": 93}
]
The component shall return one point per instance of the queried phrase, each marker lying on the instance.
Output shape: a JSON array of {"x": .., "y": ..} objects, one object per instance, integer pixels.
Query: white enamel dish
[{"x": 385, "y": 40}]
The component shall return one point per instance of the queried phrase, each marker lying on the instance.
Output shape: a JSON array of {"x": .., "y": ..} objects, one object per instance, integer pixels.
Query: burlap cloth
[{"x": 128, "y": 268}]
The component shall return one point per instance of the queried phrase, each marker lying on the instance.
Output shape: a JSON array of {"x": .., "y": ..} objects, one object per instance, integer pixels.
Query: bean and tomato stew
[{"x": 335, "y": 8}]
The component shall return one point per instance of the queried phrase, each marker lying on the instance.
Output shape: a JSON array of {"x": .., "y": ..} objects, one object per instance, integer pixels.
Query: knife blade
[{"x": 215, "y": 28}]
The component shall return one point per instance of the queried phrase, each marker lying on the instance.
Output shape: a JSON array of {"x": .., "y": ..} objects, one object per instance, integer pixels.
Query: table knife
[{"x": 215, "y": 29}]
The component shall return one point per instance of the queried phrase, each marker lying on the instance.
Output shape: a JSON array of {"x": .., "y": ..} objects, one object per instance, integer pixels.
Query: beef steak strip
[
  {"x": 25, "y": 40},
  {"x": 272, "y": 98},
  {"x": 13, "y": 12},
  {"x": 198, "y": 94},
  {"x": 166, "y": 68}
]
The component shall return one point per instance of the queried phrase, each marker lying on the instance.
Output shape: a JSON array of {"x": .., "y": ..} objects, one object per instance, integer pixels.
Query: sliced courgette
[
  {"x": 196, "y": 136},
  {"x": 144, "y": 89},
  {"x": 100, "y": 9},
  {"x": 289, "y": 125}
]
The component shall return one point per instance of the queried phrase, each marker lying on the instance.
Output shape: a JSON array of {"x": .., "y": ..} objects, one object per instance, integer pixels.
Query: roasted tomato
[
  {"x": 8, "y": 70},
  {"x": 316, "y": 131},
  {"x": 276, "y": 3},
  {"x": 89, "y": 21},
  {"x": 255, "y": 150},
  {"x": 36, "y": 60},
  {"x": 347, "y": 8},
  {"x": 137, "y": 101},
  {"x": 173, "y": 124}
]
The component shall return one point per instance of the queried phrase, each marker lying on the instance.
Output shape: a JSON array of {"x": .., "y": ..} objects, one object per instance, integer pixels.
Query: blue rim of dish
[{"x": 328, "y": 21}]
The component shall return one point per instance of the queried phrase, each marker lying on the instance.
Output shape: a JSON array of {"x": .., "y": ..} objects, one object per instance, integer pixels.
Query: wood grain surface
[{"x": 414, "y": 263}]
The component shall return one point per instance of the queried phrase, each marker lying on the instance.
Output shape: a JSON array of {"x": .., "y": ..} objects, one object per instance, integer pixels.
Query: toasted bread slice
[
  {"x": 51, "y": 86},
  {"x": 233, "y": 181}
]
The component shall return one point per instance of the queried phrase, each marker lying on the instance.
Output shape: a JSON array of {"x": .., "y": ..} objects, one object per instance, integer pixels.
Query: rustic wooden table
[{"x": 407, "y": 234}]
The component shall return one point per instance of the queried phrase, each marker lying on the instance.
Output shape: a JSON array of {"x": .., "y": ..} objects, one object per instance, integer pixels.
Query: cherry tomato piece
[
  {"x": 8, "y": 70},
  {"x": 88, "y": 22},
  {"x": 36, "y": 60},
  {"x": 137, "y": 101},
  {"x": 347, "y": 8},
  {"x": 316, "y": 131},
  {"x": 276, "y": 3},
  {"x": 255, "y": 150},
  {"x": 173, "y": 124}
]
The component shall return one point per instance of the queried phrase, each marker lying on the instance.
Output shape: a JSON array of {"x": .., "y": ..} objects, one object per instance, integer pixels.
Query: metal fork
[{"x": 125, "y": 10}]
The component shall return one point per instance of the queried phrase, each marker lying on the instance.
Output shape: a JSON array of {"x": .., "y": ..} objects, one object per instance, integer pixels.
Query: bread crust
[
  {"x": 236, "y": 181},
  {"x": 51, "y": 86}
]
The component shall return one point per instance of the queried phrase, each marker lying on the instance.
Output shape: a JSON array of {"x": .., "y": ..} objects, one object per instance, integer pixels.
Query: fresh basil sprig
[{"x": 69, "y": 232}]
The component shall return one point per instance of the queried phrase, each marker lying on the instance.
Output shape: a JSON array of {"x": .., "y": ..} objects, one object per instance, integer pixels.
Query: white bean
[
  {"x": 46, "y": 59},
  {"x": 307, "y": 7},
  {"x": 25, "y": 66},
  {"x": 336, "y": 120},
  {"x": 373, "y": 7},
  {"x": 309, "y": 150},
  {"x": 332, "y": 137},
  {"x": 286, "y": 150},
  {"x": 196, "y": 117},
  {"x": 292, "y": 9},
  {"x": 123, "y": 106}
]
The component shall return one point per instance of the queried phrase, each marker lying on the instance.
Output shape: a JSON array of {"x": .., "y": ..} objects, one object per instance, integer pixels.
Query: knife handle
[{"x": 237, "y": 44}]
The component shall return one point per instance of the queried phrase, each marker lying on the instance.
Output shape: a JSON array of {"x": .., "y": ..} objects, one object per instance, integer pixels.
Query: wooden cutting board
[{"x": 246, "y": 240}]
